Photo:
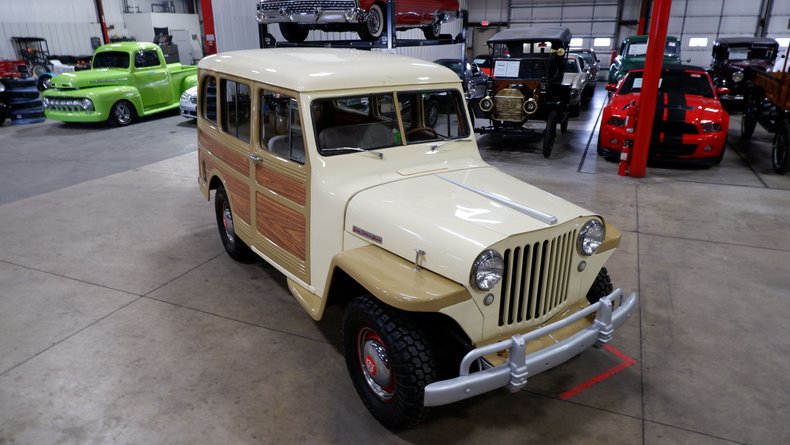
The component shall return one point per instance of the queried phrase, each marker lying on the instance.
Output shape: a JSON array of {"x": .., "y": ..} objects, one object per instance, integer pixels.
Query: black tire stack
[{"x": 24, "y": 102}]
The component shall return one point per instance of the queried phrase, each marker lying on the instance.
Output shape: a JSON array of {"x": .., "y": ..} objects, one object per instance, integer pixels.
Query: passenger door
[
  {"x": 281, "y": 184},
  {"x": 152, "y": 79}
]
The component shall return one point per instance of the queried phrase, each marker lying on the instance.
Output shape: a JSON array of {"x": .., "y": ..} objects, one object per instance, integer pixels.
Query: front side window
[
  {"x": 145, "y": 59},
  {"x": 236, "y": 109},
  {"x": 281, "y": 126}
]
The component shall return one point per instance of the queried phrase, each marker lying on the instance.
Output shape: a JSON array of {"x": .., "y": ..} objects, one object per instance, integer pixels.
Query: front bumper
[
  {"x": 308, "y": 12},
  {"x": 704, "y": 147},
  {"x": 611, "y": 312}
]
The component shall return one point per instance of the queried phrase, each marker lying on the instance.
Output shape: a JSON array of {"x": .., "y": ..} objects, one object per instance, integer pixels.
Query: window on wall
[
  {"x": 209, "y": 99},
  {"x": 236, "y": 109},
  {"x": 281, "y": 126},
  {"x": 784, "y": 42},
  {"x": 699, "y": 42},
  {"x": 602, "y": 41},
  {"x": 577, "y": 42}
]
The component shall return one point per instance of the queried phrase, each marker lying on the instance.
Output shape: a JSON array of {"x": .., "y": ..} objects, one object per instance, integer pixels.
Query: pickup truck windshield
[
  {"x": 372, "y": 121},
  {"x": 640, "y": 49},
  {"x": 111, "y": 59}
]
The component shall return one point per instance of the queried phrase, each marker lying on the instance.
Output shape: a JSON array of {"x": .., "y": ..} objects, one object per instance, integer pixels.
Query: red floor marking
[{"x": 626, "y": 362}]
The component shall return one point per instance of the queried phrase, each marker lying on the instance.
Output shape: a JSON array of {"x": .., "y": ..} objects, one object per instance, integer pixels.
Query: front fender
[
  {"x": 189, "y": 82},
  {"x": 394, "y": 281}
]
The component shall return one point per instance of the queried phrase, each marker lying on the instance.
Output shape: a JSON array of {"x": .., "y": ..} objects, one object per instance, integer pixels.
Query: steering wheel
[{"x": 428, "y": 129}]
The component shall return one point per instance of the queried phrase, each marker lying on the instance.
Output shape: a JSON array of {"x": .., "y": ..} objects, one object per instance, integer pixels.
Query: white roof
[{"x": 320, "y": 69}]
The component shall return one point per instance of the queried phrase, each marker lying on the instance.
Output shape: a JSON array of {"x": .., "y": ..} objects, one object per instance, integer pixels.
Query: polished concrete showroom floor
[{"x": 122, "y": 320}]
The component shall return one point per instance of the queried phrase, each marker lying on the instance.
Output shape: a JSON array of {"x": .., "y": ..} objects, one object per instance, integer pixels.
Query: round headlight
[
  {"x": 590, "y": 237},
  {"x": 530, "y": 106},
  {"x": 486, "y": 104},
  {"x": 87, "y": 104},
  {"x": 737, "y": 76},
  {"x": 2, "y": 87},
  {"x": 487, "y": 270}
]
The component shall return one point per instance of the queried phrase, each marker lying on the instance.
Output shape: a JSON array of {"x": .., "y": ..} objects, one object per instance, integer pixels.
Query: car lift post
[{"x": 648, "y": 96}]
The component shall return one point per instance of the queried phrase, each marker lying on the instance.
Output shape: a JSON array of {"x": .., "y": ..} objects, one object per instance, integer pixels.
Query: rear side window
[
  {"x": 209, "y": 98},
  {"x": 236, "y": 102},
  {"x": 281, "y": 126}
]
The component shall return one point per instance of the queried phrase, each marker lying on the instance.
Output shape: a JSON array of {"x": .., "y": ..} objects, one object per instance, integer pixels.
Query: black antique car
[
  {"x": 526, "y": 82},
  {"x": 733, "y": 60}
]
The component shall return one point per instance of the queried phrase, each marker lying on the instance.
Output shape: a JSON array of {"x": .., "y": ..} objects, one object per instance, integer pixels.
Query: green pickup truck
[
  {"x": 632, "y": 55},
  {"x": 126, "y": 80}
]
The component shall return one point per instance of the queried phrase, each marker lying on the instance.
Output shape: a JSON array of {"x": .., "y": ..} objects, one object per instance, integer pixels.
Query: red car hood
[{"x": 696, "y": 107}]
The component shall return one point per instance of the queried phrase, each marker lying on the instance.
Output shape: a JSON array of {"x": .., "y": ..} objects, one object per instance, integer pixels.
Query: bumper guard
[{"x": 612, "y": 311}]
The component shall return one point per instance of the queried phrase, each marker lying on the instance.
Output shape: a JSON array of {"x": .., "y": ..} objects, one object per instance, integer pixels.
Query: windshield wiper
[
  {"x": 357, "y": 149},
  {"x": 445, "y": 140}
]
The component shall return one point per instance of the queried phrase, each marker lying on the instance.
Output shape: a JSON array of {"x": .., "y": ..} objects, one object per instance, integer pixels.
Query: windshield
[
  {"x": 587, "y": 58},
  {"x": 571, "y": 66},
  {"x": 348, "y": 124},
  {"x": 751, "y": 53},
  {"x": 671, "y": 82},
  {"x": 111, "y": 59},
  {"x": 640, "y": 49}
]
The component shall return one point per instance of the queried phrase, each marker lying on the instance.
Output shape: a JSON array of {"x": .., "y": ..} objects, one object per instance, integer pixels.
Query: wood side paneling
[
  {"x": 281, "y": 184},
  {"x": 235, "y": 160},
  {"x": 281, "y": 225},
  {"x": 238, "y": 190}
]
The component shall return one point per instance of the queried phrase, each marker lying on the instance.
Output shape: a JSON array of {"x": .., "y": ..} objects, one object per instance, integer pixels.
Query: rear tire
[
  {"x": 389, "y": 361},
  {"x": 234, "y": 246},
  {"x": 294, "y": 33},
  {"x": 433, "y": 31},
  {"x": 748, "y": 121}
]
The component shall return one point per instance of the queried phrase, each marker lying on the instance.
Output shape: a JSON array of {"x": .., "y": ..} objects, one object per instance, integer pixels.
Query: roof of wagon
[{"x": 321, "y": 69}]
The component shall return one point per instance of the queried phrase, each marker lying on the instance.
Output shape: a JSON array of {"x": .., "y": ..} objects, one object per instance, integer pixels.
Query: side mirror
[
  {"x": 611, "y": 87},
  {"x": 722, "y": 90}
]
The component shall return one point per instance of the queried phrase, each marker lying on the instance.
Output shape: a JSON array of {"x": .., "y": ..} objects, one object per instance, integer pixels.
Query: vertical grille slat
[{"x": 536, "y": 277}]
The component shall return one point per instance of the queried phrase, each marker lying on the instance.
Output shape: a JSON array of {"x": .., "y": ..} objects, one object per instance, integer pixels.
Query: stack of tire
[{"x": 24, "y": 103}]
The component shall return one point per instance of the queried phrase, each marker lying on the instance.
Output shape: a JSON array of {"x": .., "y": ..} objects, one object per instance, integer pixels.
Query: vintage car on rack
[
  {"x": 526, "y": 82},
  {"x": 578, "y": 78},
  {"x": 126, "y": 80},
  {"x": 632, "y": 55},
  {"x": 690, "y": 125},
  {"x": 732, "y": 63},
  {"x": 367, "y": 17},
  {"x": 454, "y": 278}
]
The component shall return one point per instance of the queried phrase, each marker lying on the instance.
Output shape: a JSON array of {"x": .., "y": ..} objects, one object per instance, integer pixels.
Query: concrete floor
[{"x": 122, "y": 320}]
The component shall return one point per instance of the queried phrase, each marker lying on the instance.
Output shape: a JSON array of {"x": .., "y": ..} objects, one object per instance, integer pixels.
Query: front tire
[
  {"x": 122, "y": 114},
  {"x": 748, "y": 121},
  {"x": 389, "y": 361},
  {"x": 234, "y": 246},
  {"x": 433, "y": 31},
  {"x": 549, "y": 134},
  {"x": 373, "y": 27},
  {"x": 780, "y": 154}
]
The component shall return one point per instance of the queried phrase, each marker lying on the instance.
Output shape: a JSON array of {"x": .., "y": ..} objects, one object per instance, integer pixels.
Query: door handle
[{"x": 254, "y": 157}]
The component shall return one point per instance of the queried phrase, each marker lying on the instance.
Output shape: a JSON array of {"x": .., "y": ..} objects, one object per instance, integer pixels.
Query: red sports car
[{"x": 689, "y": 125}]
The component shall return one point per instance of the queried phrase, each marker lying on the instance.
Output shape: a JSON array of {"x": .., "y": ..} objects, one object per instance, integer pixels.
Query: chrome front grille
[
  {"x": 509, "y": 105},
  {"x": 304, "y": 7},
  {"x": 65, "y": 104},
  {"x": 535, "y": 281}
]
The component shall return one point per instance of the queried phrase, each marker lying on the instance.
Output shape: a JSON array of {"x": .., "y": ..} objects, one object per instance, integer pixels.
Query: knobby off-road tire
[
  {"x": 601, "y": 287},
  {"x": 234, "y": 246},
  {"x": 389, "y": 361}
]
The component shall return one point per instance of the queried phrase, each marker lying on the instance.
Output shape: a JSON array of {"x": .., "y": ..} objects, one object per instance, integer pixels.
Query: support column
[
  {"x": 648, "y": 96},
  {"x": 100, "y": 13},
  {"x": 208, "y": 26}
]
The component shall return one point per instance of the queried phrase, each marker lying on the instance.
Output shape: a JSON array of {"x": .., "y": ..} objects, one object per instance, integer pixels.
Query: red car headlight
[
  {"x": 616, "y": 121},
  {"x": 710, "y": 127}
]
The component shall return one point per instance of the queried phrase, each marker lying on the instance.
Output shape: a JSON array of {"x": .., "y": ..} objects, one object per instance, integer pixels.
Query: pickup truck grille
[
  {"x": 535, "y": 281},
  {"x": 304, "y": 7},
  {"x": 70, "y": 105}
]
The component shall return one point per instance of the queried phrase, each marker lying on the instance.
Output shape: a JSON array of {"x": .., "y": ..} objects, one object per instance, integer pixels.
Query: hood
[
  {"x": 574, "y": 79},
  {"x": 696, "y": 108},
  {"x": 91, "y": 78},
  {"x": 452, "y": 216}
]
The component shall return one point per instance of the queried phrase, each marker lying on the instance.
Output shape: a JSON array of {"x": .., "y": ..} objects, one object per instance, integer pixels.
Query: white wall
[
  {"x": 67, "y": 25},
  {"x": 141, "y": 28}
]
